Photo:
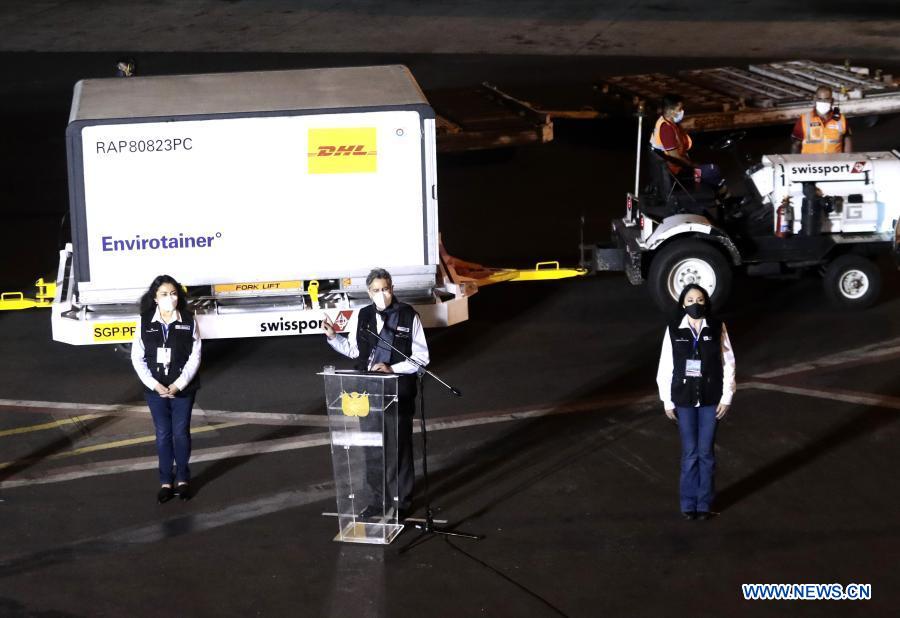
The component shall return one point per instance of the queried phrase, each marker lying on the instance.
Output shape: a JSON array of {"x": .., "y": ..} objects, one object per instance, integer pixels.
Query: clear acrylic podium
[{"x": 362, "y": 418}]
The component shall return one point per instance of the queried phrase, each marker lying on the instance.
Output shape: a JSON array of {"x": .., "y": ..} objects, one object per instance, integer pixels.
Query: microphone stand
[{"x": 428, "y": 528}]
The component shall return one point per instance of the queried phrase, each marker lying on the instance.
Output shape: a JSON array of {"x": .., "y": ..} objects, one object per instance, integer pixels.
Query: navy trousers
[
  {"x": 395, "y": 460},
  {"x": 172, "y": 420},
  {"x": 697, "y": 426},
  {"x": 711, "y": 175}
]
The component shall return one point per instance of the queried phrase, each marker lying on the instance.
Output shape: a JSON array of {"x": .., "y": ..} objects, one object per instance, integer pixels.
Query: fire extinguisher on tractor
[{"x": 784, "y": 219}]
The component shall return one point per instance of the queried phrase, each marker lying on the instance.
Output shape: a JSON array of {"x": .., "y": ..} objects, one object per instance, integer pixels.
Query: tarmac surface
[
  {"x": 685, "y": 29},
  {"x": 558, "y": 452}
]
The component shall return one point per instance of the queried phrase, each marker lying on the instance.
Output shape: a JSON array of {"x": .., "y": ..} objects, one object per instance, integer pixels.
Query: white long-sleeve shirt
[
  {"x": 347, "y": 345},
  {"x": 664, "y": 372},
  {"x": 140, "y": 365}
]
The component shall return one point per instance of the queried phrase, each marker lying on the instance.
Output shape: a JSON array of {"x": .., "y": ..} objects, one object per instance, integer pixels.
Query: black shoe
[
  {"x": 689, "y": 515},
  {"x": 165, "y": 494},
  {"x": 703, "y": 515},
  {"x": 183, "y": 491}
]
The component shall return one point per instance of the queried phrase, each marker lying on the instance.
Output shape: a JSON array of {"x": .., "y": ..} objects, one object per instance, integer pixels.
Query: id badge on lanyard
[
  {"x": 164, "y": 353},
  {"x": 693, "y": 367}
]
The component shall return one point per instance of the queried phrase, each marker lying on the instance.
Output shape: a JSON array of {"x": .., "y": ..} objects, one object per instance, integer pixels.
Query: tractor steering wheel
[{"x": 728, "y": 141}]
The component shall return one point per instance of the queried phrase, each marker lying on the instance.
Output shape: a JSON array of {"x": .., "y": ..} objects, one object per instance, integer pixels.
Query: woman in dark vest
[
  {"x": 166, "y": 356},
  {"x": 696, "y": 383}
]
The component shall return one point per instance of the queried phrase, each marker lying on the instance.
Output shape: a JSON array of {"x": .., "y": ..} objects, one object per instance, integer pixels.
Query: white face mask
[
  {"x": 823, "y": 107},
  {"x": 679, "y": 116},
  {"x": 167, "y": 303},
  {"x": 381, "y": 300}
]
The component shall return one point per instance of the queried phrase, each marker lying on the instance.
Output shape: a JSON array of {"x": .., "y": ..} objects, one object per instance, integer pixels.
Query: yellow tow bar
[
  {"x": 473, "y": 276},
  {"x": 13, "y": 301},
  {"x": 544, "y": 271}
]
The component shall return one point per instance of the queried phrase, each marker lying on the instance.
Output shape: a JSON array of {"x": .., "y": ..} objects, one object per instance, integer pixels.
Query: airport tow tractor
[{"x": 832, "y": 213}]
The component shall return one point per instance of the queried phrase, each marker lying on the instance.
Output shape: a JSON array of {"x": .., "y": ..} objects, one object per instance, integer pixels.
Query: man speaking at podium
[{"x": 399, "y": 324}]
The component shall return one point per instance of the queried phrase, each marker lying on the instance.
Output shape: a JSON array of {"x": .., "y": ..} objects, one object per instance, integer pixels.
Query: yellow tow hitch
[{"x": 13, "y": 301}]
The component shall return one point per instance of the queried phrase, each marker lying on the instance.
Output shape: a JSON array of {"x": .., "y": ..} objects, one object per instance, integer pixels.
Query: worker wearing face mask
[
  {"x": 822, "y": 130},
  {"x": 673, "y": 143},
  {"x": 399, "y": 324},
  {"x": 165, "y": 354},
  {"x": 696, "y": 384}
]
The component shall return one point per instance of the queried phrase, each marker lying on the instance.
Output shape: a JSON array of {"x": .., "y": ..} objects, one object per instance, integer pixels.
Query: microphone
[
  {"x": 421, "y": 368},
  {"x": 377, "y": 338}
]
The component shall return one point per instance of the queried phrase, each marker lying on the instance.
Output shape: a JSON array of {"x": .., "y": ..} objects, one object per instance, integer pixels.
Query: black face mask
[{"x": 696, "y": 311}]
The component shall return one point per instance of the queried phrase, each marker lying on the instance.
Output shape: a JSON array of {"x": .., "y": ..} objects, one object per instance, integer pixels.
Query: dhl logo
[
  {"x": 358, "y": 150},
  {"x": 342, "y": 151}
]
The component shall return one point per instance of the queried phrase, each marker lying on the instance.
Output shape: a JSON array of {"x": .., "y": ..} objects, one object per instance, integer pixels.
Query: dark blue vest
[
  {"x": 180, "y": 339},
  {"x": 402, "y": 334},
  {"x": 707, "y": 389}
]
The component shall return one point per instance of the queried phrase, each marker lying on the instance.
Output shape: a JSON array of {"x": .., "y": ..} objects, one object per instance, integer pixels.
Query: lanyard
[
  {"x": 164, "y": 354},
  {"x": 696, "y": 337},
  {"x": 165, "y": 331},
  {"x": 379, "y": 328}
]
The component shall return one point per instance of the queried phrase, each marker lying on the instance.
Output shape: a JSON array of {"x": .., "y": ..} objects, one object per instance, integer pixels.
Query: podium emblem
[{"x": 355, "y": 404}]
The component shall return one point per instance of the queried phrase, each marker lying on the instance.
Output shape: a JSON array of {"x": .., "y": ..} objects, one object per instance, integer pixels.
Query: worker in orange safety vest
[
  {"x": 674, "y": 144},
  {"x": 822, "y": 130}
]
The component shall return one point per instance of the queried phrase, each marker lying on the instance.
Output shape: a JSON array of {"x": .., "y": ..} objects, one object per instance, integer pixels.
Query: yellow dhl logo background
[
  {"x": 114, "y": 331},
  {"x": 342, "y": 151}
]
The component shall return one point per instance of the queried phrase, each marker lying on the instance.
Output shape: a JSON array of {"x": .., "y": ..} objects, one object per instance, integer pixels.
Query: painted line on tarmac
[
  {"x": 247, "y": 449},
  {"x": 44, "y": 426},
  {"x": 141, "y": 411},
  {"x": 868, "y": 353},
  {"x": 864, "y": 354},
  {"x": 107, "y": 445},
  {"x": 518, "y": 414},
  {"x": 459, "y": 422},
  {"x": 855, "y": 397},
  {"x": 101, "y": 468}
]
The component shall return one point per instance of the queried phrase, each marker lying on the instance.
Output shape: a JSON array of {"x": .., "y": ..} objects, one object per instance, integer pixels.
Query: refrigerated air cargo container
[{"x": 268, "y": 195}]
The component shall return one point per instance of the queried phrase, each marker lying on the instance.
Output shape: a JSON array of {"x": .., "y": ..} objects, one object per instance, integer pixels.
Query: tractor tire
[
  {"x": 852, "y": 282},
  {"x": 684, "y": 262}
]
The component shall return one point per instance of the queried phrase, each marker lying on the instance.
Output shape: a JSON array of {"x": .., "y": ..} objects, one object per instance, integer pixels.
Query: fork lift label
[{"x": 260, "y": 286}]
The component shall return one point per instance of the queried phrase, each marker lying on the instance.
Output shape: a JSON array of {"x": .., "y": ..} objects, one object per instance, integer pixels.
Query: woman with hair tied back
[
  {"x": 696, "y": 380},
  {"x": 166, "y": 356}
]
